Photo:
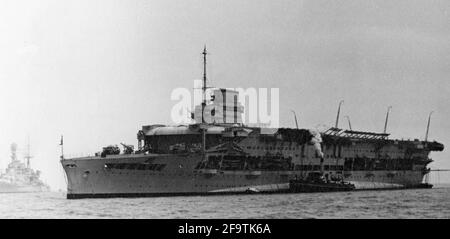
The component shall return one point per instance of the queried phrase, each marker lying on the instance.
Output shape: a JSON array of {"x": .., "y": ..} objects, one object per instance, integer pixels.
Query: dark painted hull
[{"x": 300, "y": 186}]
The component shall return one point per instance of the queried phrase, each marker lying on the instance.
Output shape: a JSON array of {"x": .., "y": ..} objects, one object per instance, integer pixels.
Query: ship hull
[
  {"x": 13, "y": 188},
  {"x": 98, "y": 177}
]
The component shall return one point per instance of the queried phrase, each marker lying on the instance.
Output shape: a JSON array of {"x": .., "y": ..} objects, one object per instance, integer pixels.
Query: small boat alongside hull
[
  {"x": 316, "y": 182},
  {"x": 303, "y": 186}
]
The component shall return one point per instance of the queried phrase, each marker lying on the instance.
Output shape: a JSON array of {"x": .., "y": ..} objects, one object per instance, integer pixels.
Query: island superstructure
[{"x": 218, "y": 154}]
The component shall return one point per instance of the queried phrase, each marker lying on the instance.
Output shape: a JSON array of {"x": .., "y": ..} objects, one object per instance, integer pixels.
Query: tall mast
[
  {"x": 387, "y": 117},
  {"x": 204, "y": 104},
  {"x": 339, "y": 111},
  {"x": 27, "y": 155},
  {"x": 204, "y": 82},
  {"x": 428, "y": 126},
  {"x": 62, "y": 147}
]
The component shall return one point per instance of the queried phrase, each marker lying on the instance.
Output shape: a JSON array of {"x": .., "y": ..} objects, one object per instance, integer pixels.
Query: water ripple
[{"x": 420, "y": 203}]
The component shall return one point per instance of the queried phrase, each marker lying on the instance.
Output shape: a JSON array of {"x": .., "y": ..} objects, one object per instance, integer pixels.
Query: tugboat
[
  {"x": 317, "y": 182},
  {"x": 20, "y": 177}
]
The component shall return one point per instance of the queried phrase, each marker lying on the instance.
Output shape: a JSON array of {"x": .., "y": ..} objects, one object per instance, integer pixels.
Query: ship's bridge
[{"x": 223, "y": 108}]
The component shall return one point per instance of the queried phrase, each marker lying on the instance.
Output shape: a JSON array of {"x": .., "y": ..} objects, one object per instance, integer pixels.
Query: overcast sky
[{"x": 96, "y": 71}]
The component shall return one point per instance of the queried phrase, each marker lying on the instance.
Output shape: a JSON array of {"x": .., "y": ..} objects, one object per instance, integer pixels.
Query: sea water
[{"x": 411, "y": 203}]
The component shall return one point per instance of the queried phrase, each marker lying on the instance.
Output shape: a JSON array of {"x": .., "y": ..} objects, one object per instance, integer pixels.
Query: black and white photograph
[{"x": 213, "y": 109}]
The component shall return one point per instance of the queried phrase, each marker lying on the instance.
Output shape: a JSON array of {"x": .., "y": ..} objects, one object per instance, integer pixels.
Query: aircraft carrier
[{"x": 230, "y": 157}]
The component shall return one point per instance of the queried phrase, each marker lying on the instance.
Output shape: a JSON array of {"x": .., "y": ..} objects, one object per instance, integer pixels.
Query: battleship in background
[
  {"x": 228, "y": 158},
  {"x": 20, "y": 177}
]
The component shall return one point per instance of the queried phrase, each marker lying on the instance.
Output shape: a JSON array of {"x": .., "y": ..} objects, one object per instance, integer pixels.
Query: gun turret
[
  {"x": 110, "y": 150},
  {"x": 127, "y": 149}
]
